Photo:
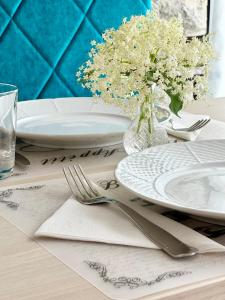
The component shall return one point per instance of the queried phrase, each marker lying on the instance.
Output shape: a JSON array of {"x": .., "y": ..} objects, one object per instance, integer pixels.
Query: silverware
[
  {"x": 88, "y": 193},
  {"x": 208, "y": 220},
  {"x": 197, "y": 125},
  {"x": 21, "y": 159}
]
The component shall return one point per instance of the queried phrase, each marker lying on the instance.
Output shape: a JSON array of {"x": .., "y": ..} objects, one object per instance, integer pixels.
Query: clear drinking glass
[{"x": 8, "y": 100}]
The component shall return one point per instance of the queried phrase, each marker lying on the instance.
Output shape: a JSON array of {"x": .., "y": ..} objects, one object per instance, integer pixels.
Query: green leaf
[
  {"x": 152, "y": 57},
  {"x": 149, "y": 75},
  {"x": 176, "y": 104}
]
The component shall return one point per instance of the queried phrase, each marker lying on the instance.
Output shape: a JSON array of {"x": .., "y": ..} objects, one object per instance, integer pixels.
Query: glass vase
[{"x": 145, "y": 131}]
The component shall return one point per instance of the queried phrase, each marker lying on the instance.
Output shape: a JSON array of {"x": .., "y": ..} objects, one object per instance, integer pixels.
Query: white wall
[
  {"x": 193, "y": 13},
  {"x": 217, "y": 29}
]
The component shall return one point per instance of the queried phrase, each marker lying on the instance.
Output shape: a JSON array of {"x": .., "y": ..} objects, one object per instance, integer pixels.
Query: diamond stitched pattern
[{"x": 43, "y": 64}]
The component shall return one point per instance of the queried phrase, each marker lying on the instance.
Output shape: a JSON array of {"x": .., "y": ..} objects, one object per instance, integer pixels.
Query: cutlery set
[{"x": 88, "y": 193}]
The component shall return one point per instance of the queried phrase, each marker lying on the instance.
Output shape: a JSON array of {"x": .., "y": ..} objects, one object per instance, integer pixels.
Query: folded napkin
[
  {"x": 107, "y": 224},
  {"x": 185, "y": 120},
  {"x": 99, "y": 223}
]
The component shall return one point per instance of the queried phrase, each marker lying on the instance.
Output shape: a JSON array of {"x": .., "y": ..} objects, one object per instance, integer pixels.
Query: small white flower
[
  {"x": 143, "y": 51},
  {"x": 93, "y": 43}
]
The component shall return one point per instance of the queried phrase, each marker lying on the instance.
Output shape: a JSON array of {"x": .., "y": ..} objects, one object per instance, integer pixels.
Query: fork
[
  {"x": 197, "y": 125},
  {"x": 89, "y": 193}
]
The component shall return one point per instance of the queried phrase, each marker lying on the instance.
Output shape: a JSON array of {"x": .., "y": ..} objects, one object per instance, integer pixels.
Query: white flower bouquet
[{"x": 143, "y": 51}]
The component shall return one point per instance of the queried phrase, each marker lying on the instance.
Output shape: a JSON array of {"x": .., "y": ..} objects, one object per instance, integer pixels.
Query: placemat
[
  {"x": 32, "y": 194},
  {"x": 120, "y": 272}
]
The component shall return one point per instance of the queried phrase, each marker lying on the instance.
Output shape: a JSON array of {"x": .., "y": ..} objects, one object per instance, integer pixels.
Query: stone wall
[{"x": 193, "y": 12}]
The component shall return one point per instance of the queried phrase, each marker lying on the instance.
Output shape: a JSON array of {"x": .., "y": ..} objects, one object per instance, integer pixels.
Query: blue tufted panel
[{"x": 43, "y": 42}]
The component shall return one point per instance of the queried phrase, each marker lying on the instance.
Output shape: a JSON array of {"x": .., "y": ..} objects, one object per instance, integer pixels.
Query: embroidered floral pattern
[
  {"x": 9, "y": 192},
  {"x": 131, "y": 282}
]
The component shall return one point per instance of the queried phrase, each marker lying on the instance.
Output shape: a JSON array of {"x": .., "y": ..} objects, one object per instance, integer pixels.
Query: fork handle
[{"x": 162, "y": 238}]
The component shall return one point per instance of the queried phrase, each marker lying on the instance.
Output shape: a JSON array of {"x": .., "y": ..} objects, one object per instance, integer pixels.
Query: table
[{"x": 21, "y": 257}]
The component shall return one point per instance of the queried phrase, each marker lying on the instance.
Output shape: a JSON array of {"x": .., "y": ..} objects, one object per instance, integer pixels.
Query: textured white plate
[
  {"x": 72, "y": 123},
  {"x": 189, "y": 177}
]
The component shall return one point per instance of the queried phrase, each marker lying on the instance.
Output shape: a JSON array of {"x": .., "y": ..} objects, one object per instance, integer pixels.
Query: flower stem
[{"x": 146, "y": 113}]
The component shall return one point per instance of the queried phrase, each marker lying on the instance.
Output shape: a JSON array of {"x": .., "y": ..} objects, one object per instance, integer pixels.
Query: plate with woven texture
[
  {"x": 189, "y": 177},
  {"x": 72, "y": 123}
]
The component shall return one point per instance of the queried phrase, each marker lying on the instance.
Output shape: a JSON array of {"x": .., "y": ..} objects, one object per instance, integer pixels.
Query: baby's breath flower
[
  {"x": 143, "y": 51},
  {"x": 93, "y": 43}
]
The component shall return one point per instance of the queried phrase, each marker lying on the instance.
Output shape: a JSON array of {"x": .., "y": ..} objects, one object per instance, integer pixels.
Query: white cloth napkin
[
  {"x": 185, "y": 120},
  {"x": 107, "y": 224},
  {"x": 100, "y": 223}
]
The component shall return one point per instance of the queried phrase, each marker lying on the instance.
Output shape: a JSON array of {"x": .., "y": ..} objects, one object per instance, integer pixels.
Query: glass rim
[{"x": 14, "y": 89}]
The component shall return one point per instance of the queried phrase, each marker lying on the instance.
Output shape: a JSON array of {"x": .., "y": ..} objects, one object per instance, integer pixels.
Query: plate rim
[
  {"x": 65, "y": 141},
  {"x": 198, "y": 212},
  {"x": 81, "y": 99},
  {"x": 53, "y": 136},
  {"x": 85, "y": 104}
]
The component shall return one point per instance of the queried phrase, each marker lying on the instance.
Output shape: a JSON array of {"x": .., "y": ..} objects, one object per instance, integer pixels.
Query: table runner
[{"x": 118, "y": 271}]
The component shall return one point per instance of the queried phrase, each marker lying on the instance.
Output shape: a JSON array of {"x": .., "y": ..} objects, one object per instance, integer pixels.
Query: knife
[
  {"x": 22, "y": 160},
  {"x": 158, "y": 235}
]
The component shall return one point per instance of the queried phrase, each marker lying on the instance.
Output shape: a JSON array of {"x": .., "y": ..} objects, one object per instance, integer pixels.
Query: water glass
[{"x": 8, "y": 100}]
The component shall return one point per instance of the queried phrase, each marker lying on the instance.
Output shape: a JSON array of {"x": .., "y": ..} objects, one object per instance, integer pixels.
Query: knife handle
[{"x": 162, "y": 238}]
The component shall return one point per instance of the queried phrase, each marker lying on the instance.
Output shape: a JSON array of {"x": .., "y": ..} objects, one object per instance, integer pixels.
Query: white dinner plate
[
  {"x": 189, "y": 177},
  {"x": 73, "y": 123}
]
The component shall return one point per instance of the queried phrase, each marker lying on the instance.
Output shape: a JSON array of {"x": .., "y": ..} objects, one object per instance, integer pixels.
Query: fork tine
[
  {"x": 201, "y": 124},
  {"x": 206, "y": 121},
  {"x": 88, "y": 186},
  {"x": 197, "y": 125},
  {"x": 79, "y": 184},
  {"x": 194, "y": 126},
  {"x": 72, "y": 184},
  {"x": 77, "y": 180},
  {"x": 82, "y": 183}
]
